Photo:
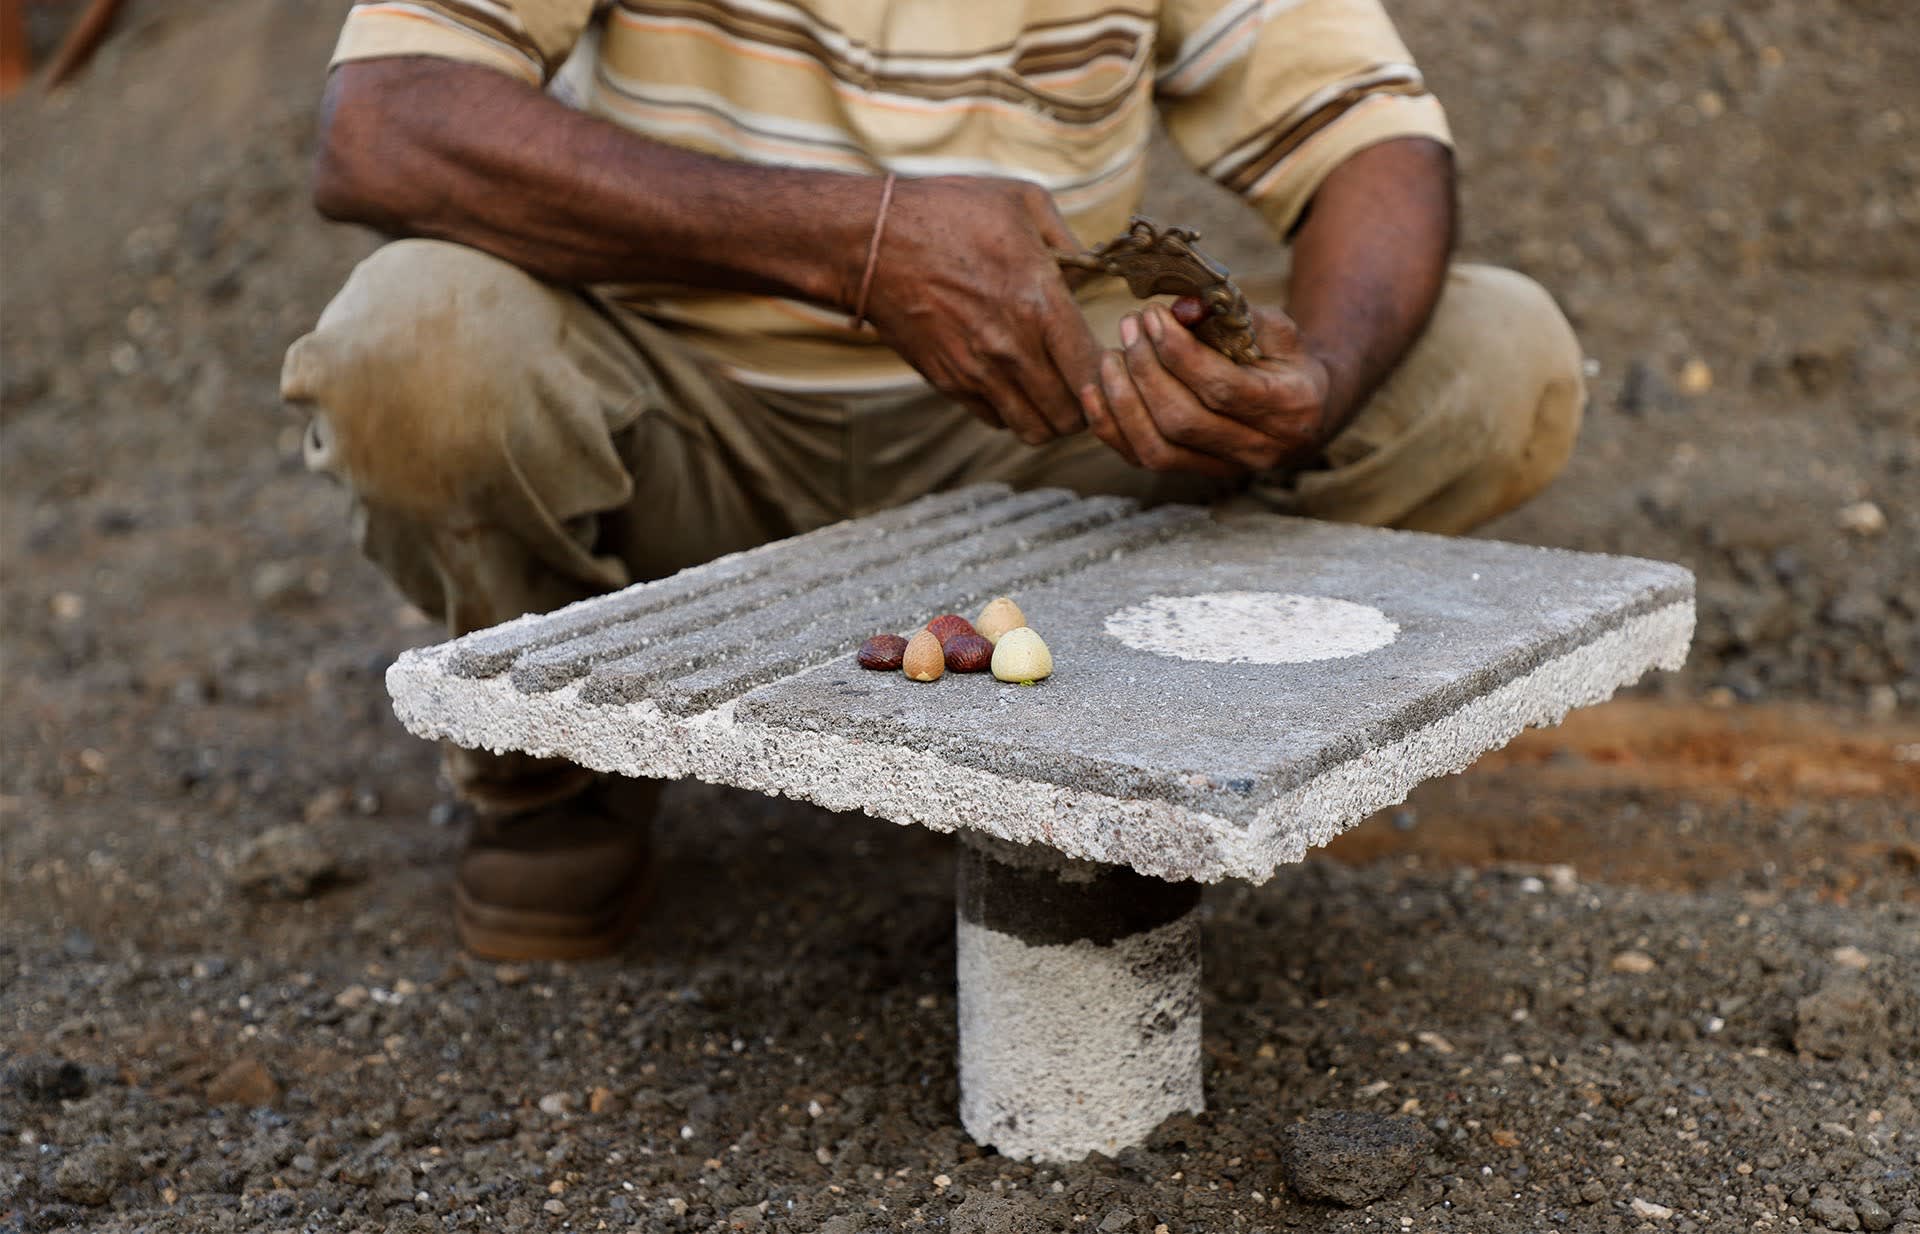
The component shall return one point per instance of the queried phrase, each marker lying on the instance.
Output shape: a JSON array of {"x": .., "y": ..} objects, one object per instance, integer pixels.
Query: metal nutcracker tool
[{"x": 1164, "y": 261}]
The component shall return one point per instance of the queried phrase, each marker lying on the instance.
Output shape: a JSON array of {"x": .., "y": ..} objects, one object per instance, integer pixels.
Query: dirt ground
[{"x": 1657, "y": 969}]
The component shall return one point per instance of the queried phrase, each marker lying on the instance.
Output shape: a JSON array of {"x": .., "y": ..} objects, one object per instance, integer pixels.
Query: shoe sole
[{"x": 491, "y": 932}]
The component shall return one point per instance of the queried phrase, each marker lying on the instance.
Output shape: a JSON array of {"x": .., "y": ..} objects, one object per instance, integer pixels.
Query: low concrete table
[{"x": 1226, "y": 696}]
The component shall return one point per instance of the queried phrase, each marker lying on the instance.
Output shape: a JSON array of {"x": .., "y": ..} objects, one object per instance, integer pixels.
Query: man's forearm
[
  {"x": 964, "y": 285},
  {"x": 1369, "y": 263},
  {"x": 423, "y": 147}
]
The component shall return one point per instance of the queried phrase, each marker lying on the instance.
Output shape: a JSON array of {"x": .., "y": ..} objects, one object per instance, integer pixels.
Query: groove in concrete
[
  {"x": 838, "y": 634},
  {"x": 803, "y": 573},
  {"x": 813, "y": 626},
  {"x": 487, "y": 653}
]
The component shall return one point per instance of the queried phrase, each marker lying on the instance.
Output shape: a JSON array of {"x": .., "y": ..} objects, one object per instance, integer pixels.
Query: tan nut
[
  {"x": 924, "y": 660},
  {"x": 999, "y": 616},
  {"x": 1021, "y": 656}
]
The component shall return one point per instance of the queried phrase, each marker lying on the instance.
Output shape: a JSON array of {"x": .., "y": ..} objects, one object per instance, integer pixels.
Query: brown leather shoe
[{"x": 566, "y": 881}]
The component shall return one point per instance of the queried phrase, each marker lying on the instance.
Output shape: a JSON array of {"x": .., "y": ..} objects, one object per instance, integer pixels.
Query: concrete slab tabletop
[{"x": 1226, "y": 695}]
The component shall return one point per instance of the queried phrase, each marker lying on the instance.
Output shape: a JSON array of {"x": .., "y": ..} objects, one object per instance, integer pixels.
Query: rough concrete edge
[
  {"x": 1342, "y": 796},
  {"x": 913, "y": 786}
]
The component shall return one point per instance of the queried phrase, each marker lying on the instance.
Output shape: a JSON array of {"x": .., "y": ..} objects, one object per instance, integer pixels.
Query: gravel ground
[
  {"x": 1654, "y": 971},
  {"x": 779, "y": 1054}
]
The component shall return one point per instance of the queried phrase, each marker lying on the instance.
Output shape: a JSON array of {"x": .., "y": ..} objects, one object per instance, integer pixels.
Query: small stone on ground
[
  {"x": 244, "y": 1082},
  {"x": 287, "y": 862},
  {"x": 45, "y": 1078},
  {"x": 1351, "y": 1157},
  {"x": 1841, "y": 1019},
  {"x": 92, "y": 1175}
]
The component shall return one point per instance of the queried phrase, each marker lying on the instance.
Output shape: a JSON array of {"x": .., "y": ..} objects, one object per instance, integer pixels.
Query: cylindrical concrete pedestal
[{"x": 1079, "y": 1002}]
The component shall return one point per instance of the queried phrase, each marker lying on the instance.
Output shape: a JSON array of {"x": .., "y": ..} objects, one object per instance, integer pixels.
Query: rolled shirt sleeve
[
  {"x": 1269, "y": 96},
  {"x": 529, "y": 39}
]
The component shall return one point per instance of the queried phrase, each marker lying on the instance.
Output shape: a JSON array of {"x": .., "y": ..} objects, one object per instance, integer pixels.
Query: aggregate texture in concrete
[
  {"x": 1226, "y": 694},
  {"x": 1079, "y": 1002}
]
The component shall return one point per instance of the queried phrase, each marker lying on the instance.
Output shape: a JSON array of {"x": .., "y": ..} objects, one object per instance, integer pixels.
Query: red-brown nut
[
  {"x": 947, "y": 625},
  {"x": 883, "y": 652},
  {"x": 968, "y": 653},
  {"x": 924, "y": 661}
]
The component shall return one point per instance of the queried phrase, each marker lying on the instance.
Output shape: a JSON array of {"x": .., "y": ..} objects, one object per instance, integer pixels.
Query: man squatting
[{"x": 612, "y": 334}]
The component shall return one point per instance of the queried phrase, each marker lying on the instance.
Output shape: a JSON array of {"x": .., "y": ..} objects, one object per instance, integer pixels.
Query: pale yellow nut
[
  {"x": 999, "y": 616},
  {"x": 924, "y": 660},
  {"x": 1021, "y": 656}
]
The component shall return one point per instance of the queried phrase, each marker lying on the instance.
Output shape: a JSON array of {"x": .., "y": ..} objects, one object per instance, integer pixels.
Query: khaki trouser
[{"x": 513, "y": 446}]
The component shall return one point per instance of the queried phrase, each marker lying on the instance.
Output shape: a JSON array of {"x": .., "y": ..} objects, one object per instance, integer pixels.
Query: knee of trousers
[
  {"x": 1527, "y": 347},
  {"x": 418, "y": 372}
]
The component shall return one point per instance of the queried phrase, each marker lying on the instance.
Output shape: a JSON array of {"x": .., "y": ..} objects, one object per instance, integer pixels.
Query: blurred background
[{"x": 223, "y": 861}]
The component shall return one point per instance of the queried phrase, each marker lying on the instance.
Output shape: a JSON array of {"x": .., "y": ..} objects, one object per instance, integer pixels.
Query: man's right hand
[{"x": 966, "y": 289}]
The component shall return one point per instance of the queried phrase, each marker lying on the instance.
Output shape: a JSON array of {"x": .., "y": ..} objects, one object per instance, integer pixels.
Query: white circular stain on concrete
[{"x": 1252, "y": 627}]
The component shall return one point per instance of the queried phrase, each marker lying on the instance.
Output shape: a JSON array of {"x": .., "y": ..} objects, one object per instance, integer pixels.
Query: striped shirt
[{"x": 1265, "y": 96}]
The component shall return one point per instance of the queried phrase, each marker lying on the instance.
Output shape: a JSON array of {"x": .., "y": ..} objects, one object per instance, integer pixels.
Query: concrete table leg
[{"x": 1079, "y": 1001}]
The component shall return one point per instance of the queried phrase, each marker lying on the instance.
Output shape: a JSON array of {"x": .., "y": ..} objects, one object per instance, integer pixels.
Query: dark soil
[{"x": 1658, "y": 969}]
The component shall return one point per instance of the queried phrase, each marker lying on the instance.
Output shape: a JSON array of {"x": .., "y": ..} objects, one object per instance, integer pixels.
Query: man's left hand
[{"x": 1178, "y": 405}]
